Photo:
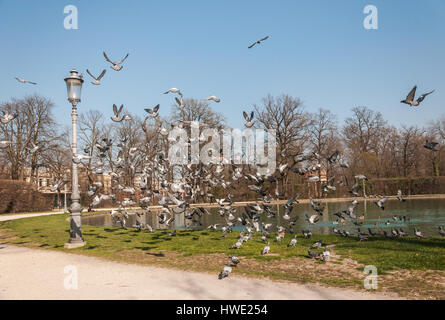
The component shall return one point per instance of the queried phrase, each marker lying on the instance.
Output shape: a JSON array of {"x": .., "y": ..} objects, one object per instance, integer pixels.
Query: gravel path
[
  {"x": 39, "y": 274},
  {"x": 7, "y": 217}
]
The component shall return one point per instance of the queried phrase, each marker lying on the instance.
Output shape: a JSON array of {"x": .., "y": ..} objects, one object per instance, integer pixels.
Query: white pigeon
[
  {"x": 79, "y": 157},
  {"x": 7, "y": 117},
  {"x": 4, "y": 144},
  {"x": 313, "y": 218},
  {"x": 217, "y": 100},
  {"x": 25, "y": 81},
  {"x": 34, "y": 148},
  {"x": 173, "y": 90},
  {"x": 266, "y": 249}
]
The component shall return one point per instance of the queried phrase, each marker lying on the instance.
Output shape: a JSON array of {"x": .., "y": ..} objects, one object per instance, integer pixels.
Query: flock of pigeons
[{"x": 175, "y": 197}]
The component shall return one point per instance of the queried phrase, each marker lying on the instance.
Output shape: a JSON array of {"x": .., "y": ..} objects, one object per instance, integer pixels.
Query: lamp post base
[{"x": 74, "y": 245}]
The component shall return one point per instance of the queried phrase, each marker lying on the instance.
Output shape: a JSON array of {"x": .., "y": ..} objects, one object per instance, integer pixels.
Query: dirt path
[
  {"x": 7, "y": 217},
  {"x": 39, "y": 274}
]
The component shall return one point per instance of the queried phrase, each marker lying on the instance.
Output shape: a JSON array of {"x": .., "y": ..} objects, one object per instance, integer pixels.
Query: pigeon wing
[
  {"x": 245, "y": 116},
  {"x": 88, "y": 71},
  {"x": 101, "y": 75},
  {"x": 420, "y": 99},
  {"x": 108, "y": 59},
  {"x": 123, "y": 59},
  {"x": 410, "y": 96},
  {"x": 155, "y": 109}
]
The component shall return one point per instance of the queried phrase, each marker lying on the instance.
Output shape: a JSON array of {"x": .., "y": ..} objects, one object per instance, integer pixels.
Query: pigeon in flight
[
  {"x": 217, "y": 100},
  {"x": 79, "y": 157},
  {"x": 249, "y": 122},
  {"x": 180, "y": 103},
  {"x": 381, "y": 203},
  {"x": 6, "y": 117},
  {"x": 115, "y": 65},
  {"x": 4, "y": 144},
  {"x": 173, "y": 90},
  {"x": 400, "y": 196},
  {"x": 117, "y": 112},
  {"x": 431, "y": 145},
  {"x": 25, "y": 81},
  {"x": 96, "y": 81},
  {"x": 153, "y": 112},
  {"x": 34, "y": 148},
  {"x": 410, "y": 97},
  {"x": 258, "y": 42},
  {"x": 333, "y": 158},
  {"x": 313, "y": 219}
]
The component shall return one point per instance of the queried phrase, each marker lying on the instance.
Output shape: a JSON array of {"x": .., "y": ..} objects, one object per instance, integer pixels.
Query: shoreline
[{"x": 215, "y": 205}]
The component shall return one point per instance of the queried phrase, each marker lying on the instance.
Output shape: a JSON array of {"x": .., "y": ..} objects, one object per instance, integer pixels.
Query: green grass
[
  {"x": 403, "y": 253},
  {"x": 207, "y": 251}
]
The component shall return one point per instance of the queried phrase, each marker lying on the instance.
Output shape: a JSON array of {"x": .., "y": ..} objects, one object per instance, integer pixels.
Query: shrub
[{"x": 20, "y": 196}]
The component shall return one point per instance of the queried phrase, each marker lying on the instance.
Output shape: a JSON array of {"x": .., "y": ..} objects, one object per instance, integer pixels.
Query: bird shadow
[
  {"x": 159, "y": 255},
  {"x": 145, "y": 248}
]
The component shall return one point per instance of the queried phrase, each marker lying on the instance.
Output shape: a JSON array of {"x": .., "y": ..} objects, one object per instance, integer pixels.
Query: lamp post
[
  {"x": 74, "y": 88},
  {"x": 65, "y": 190}
]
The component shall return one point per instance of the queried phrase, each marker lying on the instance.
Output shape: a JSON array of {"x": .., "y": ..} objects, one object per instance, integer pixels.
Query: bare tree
[
  {"x": 286, "y": 116},
  {"x": 34, "y": 125},
  {"x": 91, "y": 126},
  {"x": 323, "y": 140},
  {"x": 362, "y": 135}
]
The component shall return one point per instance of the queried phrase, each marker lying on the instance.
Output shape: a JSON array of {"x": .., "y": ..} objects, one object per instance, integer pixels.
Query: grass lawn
[{"x": 408, "y": 266}]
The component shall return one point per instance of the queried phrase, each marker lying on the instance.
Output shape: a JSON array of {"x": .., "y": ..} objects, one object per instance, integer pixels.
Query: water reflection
[{"x": 425, "y": 214}]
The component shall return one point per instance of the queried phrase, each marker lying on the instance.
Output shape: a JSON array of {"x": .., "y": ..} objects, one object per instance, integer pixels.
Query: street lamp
[{"x": 74, "y": 88}]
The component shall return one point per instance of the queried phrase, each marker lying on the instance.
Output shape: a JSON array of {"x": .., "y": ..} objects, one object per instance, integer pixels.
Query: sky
[{"x": 318, "y": 51}]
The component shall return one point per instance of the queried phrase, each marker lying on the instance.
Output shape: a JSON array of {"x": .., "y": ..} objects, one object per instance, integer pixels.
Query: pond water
[{"x": 424, "y": 214}]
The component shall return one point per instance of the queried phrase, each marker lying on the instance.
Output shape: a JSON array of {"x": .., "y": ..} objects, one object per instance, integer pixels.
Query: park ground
[{"x": 407, "y": 267}]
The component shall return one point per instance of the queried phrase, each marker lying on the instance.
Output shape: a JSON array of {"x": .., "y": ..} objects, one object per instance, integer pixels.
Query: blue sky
[{"x": 318, "y": 51}]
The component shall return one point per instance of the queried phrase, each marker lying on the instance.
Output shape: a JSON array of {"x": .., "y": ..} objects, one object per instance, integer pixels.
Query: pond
[{"x": 424, "y": 214}]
